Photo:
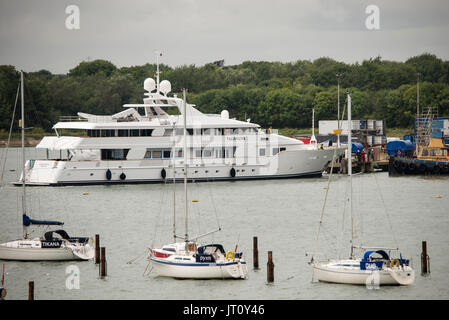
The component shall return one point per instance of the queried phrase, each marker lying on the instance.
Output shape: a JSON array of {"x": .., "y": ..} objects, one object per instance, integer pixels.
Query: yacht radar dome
[
  {"x": 149, "y": 84},
  {"x": 165, "y": 87},
  {"x": 225, "y": 114}
]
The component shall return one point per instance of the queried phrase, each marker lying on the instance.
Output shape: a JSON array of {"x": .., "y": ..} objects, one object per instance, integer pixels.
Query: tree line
[{"x": 272, "y": 94}]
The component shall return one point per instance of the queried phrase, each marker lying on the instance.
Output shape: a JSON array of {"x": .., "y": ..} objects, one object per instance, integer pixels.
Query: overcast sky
[{"x": 33, "y": 33}]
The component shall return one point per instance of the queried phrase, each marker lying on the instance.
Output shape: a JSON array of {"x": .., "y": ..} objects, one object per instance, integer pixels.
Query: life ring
[
  {"x": 395, "y": 262},
  {"x": 163, "y": 174},
  {"x": 230, "y": 253},
  {"x": 108, "y": 174},
  {"x": 232, "y": 172},
  {"x": 123, "y": 176}
]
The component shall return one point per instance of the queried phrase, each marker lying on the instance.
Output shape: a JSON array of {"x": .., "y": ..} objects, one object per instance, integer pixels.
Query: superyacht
[{"x": 144, "y": 144}]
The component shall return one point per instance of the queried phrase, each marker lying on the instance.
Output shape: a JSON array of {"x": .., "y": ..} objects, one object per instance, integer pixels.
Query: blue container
[
  {"x": 405, "y": 146},
  {"x": 357, "y": 147}
]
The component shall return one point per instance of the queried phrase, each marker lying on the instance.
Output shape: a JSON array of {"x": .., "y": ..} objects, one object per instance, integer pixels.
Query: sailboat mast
[
  {"x": 22, "y": 125},
  {"x": 174, "y": 182},
  {"x": 185, "y": 164},
  {"x": 350, "y": 171}
]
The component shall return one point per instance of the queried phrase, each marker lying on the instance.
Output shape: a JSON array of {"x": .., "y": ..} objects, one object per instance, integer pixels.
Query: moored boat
[
  {"x": 188, "y": 260},
  {"x": 376, "y": 267},
  {"x": 55, "y": 245},
  {"x": 139, "y": 145}
]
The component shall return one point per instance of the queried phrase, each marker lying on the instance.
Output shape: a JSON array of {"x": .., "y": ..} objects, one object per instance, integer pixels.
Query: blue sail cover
[{"x": 27, "y": 221}]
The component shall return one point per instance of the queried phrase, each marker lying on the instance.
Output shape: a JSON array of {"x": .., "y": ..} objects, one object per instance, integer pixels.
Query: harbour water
[{"x": 283, "y": 214}]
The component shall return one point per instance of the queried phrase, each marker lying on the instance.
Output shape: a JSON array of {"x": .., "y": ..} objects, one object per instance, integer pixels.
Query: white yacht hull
[
  {"x": 38, "y": 254},
  {"x": 349, "y": 275},
  {"x": 13, "y": 251},
  {"x": 226, "y": 270},
  {"x": 287, "y": 164}
]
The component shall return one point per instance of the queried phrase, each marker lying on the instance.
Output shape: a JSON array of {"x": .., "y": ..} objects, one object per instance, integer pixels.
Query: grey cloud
[{"x": 33, "y": 34}]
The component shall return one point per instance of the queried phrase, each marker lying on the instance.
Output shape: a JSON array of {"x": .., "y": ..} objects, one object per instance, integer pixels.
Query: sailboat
[
  {"x": 187, "y": 260},
  {"x": 54, "y": 245},
  {"x": 376, "y": 266}
]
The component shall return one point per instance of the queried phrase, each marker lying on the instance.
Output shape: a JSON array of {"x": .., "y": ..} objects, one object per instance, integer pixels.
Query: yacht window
[
  {"x": 168, "y": 132},
  {"x": 424, "y": 152},
  {"x": 432, "y": 152},
  {"x": 227, "y": 131},
  {"x": 114, "y": 154},
  {"x": 282, "y": 149},
  {"x": 275, "y": 151},
  {"x": 198, "y": 153},
  {"x": 262, "y": 152},
  {"x": 134, "y": 132},
  {"x": 167, "y": 153},
  {"x": 237, "y": 131},
  {"x": 218, "y": 132},
  {"x": 93, "y": 133},
  {"x": 146, "y": 132},
  {"x": 178, "y": 153},
  {"x": 123, "y": 132},
  {"x": 207, "y": 153},
  {"x": 156, "y": 154},
  {"x": 162, "y": 154},
  {"x": 108, "y": 133},
  {"x": 206, "y": 132}
]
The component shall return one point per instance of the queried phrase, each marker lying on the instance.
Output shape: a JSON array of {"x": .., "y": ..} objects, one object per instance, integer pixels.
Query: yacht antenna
[{"x": 159, "y": 54}]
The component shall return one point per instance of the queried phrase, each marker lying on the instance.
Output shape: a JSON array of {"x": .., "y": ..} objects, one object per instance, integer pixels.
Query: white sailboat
[
  {"x": 376, "y": 266},
  {"x": 54, "y": 245},
  {"x": 187, "y": 260}
]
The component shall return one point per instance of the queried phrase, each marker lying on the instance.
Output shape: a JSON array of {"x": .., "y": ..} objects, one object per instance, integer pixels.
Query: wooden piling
[
  {"x": 31, "y": 290},
  {"x": 425, "y": 263},
  {"x": 270, "y": 267},
  {"x": 255, "y": 254},
  {"x": 103, "y": 262},
  {"x": 3, "y": 275},
  {"x": 97, "y": 248}
]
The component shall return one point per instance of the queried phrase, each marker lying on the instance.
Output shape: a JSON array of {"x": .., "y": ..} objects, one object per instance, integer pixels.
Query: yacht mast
[
  {"x": 185, "y": 164},
  {"x": 22, "y": 125},
  {"x": 174, "y": 182},
  {"x": 350, "y": 171}
]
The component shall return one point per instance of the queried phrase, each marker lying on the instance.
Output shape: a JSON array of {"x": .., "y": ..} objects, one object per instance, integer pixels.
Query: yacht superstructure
[{"x": 144, "y": 144}]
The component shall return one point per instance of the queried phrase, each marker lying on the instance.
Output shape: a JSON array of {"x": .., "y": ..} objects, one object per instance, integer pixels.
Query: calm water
[{"x": 283, "y": 214}]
